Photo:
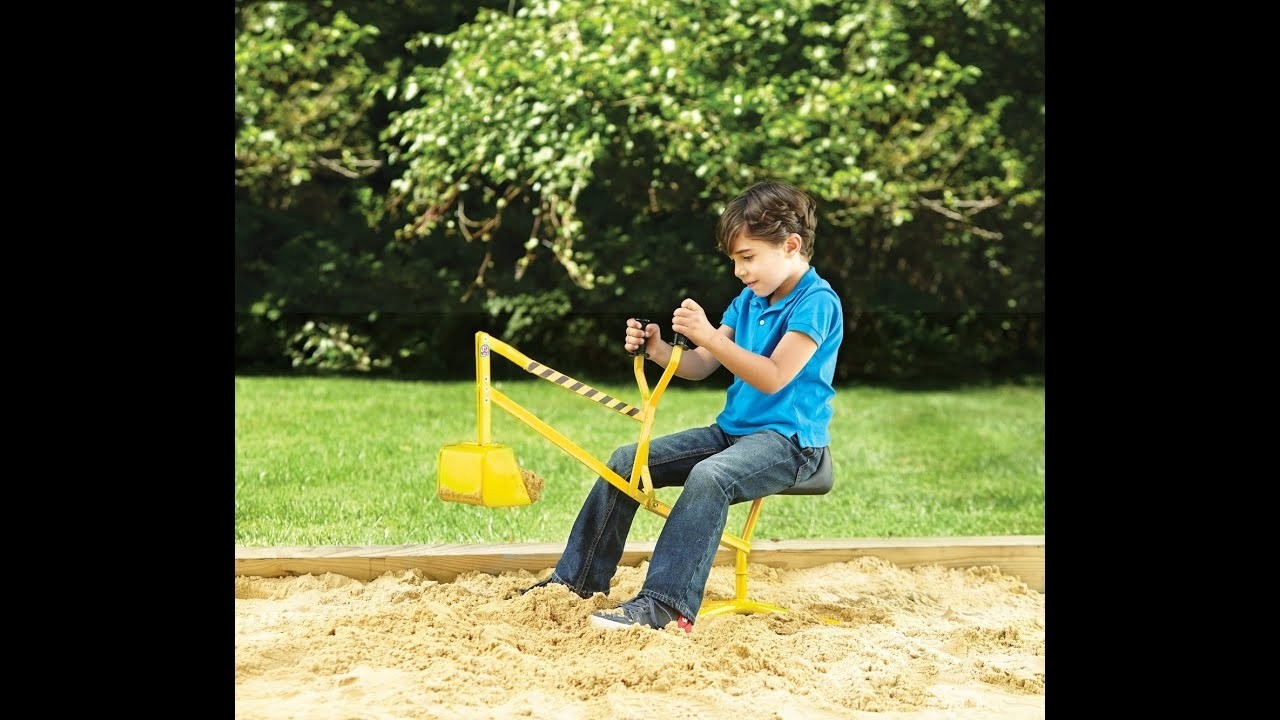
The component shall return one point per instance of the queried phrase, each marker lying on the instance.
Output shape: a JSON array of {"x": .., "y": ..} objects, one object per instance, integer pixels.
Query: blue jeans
[{"x": 717, "y": 470}]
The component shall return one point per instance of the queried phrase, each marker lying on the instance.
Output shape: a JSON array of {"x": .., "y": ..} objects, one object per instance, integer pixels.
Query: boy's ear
[{"x": 793, "y": 243}]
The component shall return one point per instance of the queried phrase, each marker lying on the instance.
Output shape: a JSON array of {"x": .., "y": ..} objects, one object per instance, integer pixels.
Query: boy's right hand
[{"x": 638, "y": 336}]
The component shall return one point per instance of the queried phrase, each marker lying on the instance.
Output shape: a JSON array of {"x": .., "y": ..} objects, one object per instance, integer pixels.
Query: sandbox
[{"x": 926, "y": 629}]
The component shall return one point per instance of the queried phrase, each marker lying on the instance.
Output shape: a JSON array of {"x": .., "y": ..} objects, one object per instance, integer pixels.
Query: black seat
[{"x": 819, "y": 483}]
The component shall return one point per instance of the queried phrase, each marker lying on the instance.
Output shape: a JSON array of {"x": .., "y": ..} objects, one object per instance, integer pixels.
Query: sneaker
[
  {"x": 553, "y": 580},
  {"x": 640, "y": 610}
]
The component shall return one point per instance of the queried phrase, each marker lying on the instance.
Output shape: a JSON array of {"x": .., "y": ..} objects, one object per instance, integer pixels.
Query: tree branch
[
  {"x": 337, "y": 167},
  {"x": 943, "y": 211}
]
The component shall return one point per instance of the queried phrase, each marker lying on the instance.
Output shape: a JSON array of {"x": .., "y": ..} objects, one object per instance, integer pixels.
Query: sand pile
[
  {"x": 533, "y": 483},
  {"x": 864, "y": 639}
]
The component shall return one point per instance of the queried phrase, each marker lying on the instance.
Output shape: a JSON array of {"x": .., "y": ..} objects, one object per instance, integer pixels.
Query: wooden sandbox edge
[{"x": 1021, "y": 556}]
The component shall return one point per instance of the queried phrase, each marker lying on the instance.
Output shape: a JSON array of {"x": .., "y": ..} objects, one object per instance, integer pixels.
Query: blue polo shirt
[{"x": 803, "y": 407}]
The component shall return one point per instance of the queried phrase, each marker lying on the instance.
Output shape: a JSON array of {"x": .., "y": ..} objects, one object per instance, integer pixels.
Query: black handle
[
  {"x": 682, "y": 341},
  {"x": 644, "y": 341}
]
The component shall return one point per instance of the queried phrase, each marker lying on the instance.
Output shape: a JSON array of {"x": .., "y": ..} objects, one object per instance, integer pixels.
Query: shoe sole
[{"x": 607, "y": 624}]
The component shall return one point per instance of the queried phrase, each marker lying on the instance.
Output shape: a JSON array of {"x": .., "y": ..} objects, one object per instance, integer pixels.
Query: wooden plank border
[{"x": 1021, "y": 556}]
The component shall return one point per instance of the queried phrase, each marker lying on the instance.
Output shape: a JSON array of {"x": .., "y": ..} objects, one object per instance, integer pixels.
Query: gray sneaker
[{"x": 640, "y": 610}]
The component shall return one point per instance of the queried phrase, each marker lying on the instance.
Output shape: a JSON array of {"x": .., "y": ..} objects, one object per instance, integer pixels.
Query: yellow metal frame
[{"x": 640, "y": 486}]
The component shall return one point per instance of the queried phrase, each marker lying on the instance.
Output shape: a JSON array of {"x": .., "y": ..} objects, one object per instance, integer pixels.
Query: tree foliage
[{"x": 558, "y": 166}]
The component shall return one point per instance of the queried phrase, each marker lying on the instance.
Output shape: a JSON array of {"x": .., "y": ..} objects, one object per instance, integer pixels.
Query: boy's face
[{"x": 763, "y": 266}]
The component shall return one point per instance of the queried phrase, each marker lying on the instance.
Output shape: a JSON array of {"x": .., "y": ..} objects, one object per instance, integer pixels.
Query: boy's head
[{"x": 769, "y": 211}]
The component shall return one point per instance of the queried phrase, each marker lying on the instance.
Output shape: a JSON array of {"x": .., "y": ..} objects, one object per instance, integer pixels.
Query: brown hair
[{"x": 769, "y": 211}]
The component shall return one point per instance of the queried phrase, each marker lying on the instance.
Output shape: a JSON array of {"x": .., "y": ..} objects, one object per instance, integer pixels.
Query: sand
[{"x": 864, "y": 639}]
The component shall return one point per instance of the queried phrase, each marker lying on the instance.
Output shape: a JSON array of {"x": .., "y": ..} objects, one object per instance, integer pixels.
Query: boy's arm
[
  {"x": 766, "y": 374},
  {"x": 698, "y": 363}
]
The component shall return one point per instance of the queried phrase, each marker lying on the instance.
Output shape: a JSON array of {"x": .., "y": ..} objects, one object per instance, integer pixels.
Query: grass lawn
[{"x": 351, "y": 461}]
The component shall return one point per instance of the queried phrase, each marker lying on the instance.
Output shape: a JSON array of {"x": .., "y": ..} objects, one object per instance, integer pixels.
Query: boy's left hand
[{"x": 691, "y": 321}]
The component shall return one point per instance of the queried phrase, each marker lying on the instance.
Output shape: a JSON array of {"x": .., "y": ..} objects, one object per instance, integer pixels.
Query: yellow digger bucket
[{"x": 481, "y": 474}]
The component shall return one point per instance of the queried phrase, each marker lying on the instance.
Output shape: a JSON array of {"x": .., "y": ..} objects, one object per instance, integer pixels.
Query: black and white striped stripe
[{"x": 539, "y": 370}]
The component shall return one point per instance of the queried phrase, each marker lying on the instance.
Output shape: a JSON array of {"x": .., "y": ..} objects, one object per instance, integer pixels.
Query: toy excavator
[{"x": 486, "y": 473}]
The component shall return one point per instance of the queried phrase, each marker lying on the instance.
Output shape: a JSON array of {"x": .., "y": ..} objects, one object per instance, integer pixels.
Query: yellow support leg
[{"x": 740, "y": 603}]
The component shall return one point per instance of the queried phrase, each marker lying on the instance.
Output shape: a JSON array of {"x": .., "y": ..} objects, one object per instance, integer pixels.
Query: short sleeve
[{"x": 816, "y": 315}]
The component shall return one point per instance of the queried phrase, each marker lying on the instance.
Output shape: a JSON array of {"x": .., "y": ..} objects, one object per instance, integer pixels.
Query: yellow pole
[
  {"x": 740, "y": 575},
  {"x": 641, "y": 381},
  {"x": 650, "y": 411},
  {"x": 740, "y": 569},
  {"x": 484, "y": 432}
]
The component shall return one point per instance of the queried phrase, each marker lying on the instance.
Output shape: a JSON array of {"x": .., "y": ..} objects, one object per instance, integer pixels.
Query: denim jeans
[{"x": 717, "y": 470}]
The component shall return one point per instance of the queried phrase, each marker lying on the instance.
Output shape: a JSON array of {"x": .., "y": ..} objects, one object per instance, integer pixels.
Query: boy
[{"x": 779, "y": 338}]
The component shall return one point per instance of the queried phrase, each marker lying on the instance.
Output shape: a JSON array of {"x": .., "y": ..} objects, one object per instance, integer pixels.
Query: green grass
[{"x": 337, "y": 461}]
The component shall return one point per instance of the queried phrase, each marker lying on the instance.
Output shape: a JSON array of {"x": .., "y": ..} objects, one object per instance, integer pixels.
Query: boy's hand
[
  {"x": 690, "y": 321},
  {"x": 637, "y": 336}
]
